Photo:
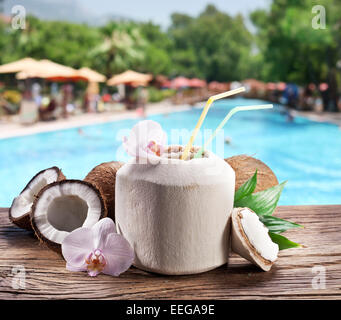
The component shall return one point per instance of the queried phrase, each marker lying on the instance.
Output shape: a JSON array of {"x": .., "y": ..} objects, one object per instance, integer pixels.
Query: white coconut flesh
[
  {"x": 65, "y": 207},
  {"x": 258, "y": 235},
  {"x": 22, "y": 204}
]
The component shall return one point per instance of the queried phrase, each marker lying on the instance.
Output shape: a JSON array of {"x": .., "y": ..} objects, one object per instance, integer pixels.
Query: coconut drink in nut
[
  {"x": 173, "y": 203},
  {"x": 176, "y": 214}
]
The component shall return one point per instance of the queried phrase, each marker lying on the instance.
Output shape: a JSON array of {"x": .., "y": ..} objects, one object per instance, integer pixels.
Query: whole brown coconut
[
  {"x": 19, "y": 213},
  {"x": 245, "y": 167},
  {"x": 103, "y": 177}
]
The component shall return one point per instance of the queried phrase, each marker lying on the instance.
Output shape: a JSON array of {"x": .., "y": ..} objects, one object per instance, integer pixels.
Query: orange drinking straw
[{"x": 203, "y": 115}]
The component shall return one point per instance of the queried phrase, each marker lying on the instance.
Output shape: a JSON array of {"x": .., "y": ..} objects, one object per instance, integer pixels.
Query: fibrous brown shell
[
  {"x": 103, "y": 177},
  {"x": 245, "y": 167}
]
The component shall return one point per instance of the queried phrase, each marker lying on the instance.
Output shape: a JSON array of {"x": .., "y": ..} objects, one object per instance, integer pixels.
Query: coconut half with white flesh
[
  {"x": 19, "y": 213},
  {"x": 64, "y": 206},
  {"x": 251, "y": 240}
]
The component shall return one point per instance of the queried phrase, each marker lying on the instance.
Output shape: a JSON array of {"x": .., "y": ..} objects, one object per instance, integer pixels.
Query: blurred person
[
  {"x": 47, "y": 108},
  {"x": 54, "y": 89},
  {"x": 333, "y": 91},
  {"x": 228, "y": 140},
  {"x": 324, "y": 91},
  {"x": 308, "y": 99},
  {"x": 80, "y": 132},
  {"x": 142, "y": 99},
  {"x": 67, "y": 90},
  {"x": 291, "y": 95},
  {"x": 91, "y": 97},
  {"x": 35, "y": 92},
  {"x": 318, "y": 105}
]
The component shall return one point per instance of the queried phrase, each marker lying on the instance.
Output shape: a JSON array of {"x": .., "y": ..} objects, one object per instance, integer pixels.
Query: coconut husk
[
  {"x": 24, "y": 221},
  {"x": 43, "y": 240},
  {"x": 103, "y": 177},
  {"x": 245, "y": 167}
]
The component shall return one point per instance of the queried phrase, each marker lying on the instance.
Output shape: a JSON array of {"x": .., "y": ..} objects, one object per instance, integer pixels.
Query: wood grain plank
[{"x": 290, "y": 278}]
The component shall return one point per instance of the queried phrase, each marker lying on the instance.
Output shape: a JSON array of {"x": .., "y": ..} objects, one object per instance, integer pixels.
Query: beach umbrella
[
  {"x": 50, "y": 70},
  {"x": 166, "y": 85},
  {"x": 271, "y": 86},
  {"x": 197, "y": 83},
  {"x": 180, "y": 82},
  {"x": 218, "y": 86},
  {"x": 281, "y": 86},
  {"x": 91, "y": 75},
  {"x": 131, "y": 78},
  {"x": 254, "y": 84},
  {"x": 312, "y": 86},
  {"x": 19, "y": 65},
  {"x": 323, "y": 86},
  {"x": 162, "y": 81}
]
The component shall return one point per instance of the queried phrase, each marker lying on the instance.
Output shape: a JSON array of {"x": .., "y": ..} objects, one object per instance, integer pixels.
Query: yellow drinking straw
[
  {"x": 228, "y": 116},
  {"x": 203, "y": 115}
]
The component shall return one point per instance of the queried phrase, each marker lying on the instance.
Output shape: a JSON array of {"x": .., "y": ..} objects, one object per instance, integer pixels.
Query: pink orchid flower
[
  {"x": 97, "y": 249},
  {"x": 146, "y": 141}
]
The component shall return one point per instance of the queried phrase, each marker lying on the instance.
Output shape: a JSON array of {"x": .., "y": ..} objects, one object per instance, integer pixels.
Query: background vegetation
[{"x": 212, "y": 46}]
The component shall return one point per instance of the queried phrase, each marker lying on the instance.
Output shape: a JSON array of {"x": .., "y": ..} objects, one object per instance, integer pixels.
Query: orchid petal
[
  {"x": 76, "y": 246},
  {"x": 94, "y": 273},
  {"x": 101, "y": 230},
  {"x": 140, "y": 138},
  {"x": 118, "y": 253},
  {"x": 76, "y": 269}
]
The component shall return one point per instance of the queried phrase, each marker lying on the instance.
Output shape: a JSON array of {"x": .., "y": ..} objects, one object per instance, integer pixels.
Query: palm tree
[{"x": 122, "y": 47}]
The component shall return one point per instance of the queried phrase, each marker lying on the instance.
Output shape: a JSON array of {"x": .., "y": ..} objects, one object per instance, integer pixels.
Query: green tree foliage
[
  {"x": 292, "y": 49},
  {"x": 61, "y": 42},
  {"x": 214, "y": 45},
  {"x": 122, "y": 47},
  {"x": 157, "y": 53}
]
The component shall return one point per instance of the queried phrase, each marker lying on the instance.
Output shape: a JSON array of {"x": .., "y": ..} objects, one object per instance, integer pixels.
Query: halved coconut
[
  {"x": 251, "y": 240},
  {"x": 245, "y": 166},
  {"x": 64, "y": 206},
  {"x": 103, "y": 177},
  {"x": 19, "y": 213}
]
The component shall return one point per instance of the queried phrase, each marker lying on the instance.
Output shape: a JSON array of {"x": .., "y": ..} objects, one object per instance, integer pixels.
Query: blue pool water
[{"x": 306, "y": 153}]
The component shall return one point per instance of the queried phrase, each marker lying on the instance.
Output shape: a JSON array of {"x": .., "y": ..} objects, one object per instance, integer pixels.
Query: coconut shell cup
[{"x": 176, "y": 215}]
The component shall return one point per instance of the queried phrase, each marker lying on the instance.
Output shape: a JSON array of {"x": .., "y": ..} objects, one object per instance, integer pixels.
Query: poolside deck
[
  {"x": 13, "y": 128},
  {"x": 292, "y": 277},
  {"x": 329, "y": 117}
]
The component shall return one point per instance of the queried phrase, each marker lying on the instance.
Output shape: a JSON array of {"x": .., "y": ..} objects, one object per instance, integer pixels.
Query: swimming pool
[{"x": 306, "y": 153}]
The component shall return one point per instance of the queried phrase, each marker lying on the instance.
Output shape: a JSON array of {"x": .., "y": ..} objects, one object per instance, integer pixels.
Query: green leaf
[
  {"x": 283, "y": 242},
  {"x": 263, "y": 202},
  {"x": 277, "y": 225},
  {"x": 247, "y": 188}
]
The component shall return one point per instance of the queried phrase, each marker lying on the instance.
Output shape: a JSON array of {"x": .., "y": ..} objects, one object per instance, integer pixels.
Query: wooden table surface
[{"x": 290, "y": 278}]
